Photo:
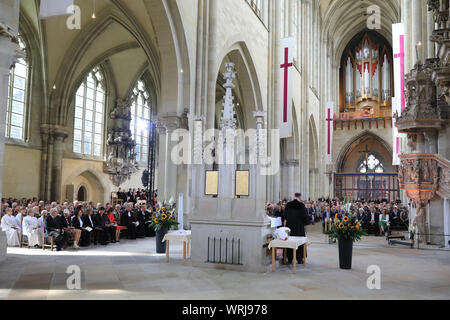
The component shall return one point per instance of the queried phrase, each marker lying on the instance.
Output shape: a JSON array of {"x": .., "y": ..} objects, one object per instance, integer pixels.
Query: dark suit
[
  {"x": 296, "y": 218},
  {"x": 140, "y": 230},
  {"x": 105, "y": 233},
  {"x": 53, "y": 224},
  {"x": 372, "y": 227},
  {"x": 127, "y": 219},
  {"x": 87, "y": 223}
]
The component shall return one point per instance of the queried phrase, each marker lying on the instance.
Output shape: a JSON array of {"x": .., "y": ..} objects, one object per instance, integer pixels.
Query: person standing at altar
[{"x": 296, "y": 219}]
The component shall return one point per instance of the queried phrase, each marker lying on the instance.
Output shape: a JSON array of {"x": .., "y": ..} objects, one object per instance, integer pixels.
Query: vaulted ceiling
[{"x": 343, "y": 19}]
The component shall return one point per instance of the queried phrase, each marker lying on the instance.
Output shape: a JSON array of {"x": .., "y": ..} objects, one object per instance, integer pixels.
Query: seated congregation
[
  {"x": 376, "y": 217},
  {"x": 40, "y": 225}
]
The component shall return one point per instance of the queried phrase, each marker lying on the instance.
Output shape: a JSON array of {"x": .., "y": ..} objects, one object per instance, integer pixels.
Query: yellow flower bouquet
[
  {"x": 163, "y": 217},
  {"x": 347, "y": 227}
]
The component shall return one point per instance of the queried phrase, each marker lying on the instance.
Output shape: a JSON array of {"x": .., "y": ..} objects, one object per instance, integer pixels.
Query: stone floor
[{"x": 131, "y": 270}]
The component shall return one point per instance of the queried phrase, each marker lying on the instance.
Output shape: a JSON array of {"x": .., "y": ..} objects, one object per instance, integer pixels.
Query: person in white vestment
[
  {"x": 19, "y": 216},
  {"x": 32, "y": 228},
  {"x": 10, "y": 226}
]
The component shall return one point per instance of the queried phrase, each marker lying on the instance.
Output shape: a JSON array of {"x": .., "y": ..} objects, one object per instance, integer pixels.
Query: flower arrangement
[
  {"x": 346, "y": 227},
  {"x": 163, "y": 216}
]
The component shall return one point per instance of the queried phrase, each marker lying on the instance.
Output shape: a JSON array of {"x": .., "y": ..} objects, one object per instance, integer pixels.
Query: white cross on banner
[
  {"x": 398, "y": 102},
  {"x": 286, "y": 65},
  {"x": 330, "y": 129},
  {"x": 53, "y": 8}
]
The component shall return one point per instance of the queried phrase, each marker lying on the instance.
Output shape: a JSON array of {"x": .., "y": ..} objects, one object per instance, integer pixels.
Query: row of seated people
[
  {"x": 81, "y": 228},
  {"x": 372, "y": 220},
  {"x": 102, "y": 227}
]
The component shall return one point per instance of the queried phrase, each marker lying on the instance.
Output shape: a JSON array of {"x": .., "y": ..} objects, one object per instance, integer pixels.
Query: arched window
[
  {"x": 17, "y": 95},
  {"x": 140, "y": 119},
  {"x": 373, "y": 164},
  {"x": 89, "y": 115}
]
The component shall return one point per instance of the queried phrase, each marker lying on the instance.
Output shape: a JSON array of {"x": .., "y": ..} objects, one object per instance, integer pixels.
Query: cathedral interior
[{"x": 93, "y": 96}]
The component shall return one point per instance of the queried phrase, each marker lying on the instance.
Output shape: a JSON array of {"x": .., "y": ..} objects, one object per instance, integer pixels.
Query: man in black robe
[
  {"x": 296, "y": 218},
  {"x": 129, "y": 219},
  {"x": 140, "y": 215}
]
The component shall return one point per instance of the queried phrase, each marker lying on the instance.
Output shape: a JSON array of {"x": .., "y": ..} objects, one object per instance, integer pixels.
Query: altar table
[
  {"x": 290, "y": 243},
  {"x": 180, "y": 235}
]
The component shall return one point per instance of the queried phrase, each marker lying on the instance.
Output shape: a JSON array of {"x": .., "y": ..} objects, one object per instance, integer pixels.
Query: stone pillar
[
  {"x": 161, "y": 160},
  {"x": 212, "y": 75},
  {"x": 275, "y": 185},
  {"x": 44, "y": 156},
  {"x": 58, "y": 151},
  {"x": 170, "y": 123},
  {"x": 430, "y": 28},
  {"x": 406, "y": 19},
  {"x": 447, "y": 222},
  {"x": 416, "y": 30},
  {"x": 48, "y": 183}
]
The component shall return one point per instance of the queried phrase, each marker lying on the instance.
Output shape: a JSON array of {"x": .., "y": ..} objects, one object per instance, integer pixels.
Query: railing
[
  {"x": 371, "y": 186},
  {"x": 363, "y": 114}
]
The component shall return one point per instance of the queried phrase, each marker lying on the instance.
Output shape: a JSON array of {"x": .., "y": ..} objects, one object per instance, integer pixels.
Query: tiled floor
[{"x": 131, "y": 270}]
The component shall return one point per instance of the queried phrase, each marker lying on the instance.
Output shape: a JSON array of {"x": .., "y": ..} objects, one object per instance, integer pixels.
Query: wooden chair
[
  {"x": 44, "y": 228},
  {"x": 22, "y": 242}
]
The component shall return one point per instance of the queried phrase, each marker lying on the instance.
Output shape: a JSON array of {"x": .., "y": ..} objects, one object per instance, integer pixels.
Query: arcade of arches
[{"x": 167, "y": 60}]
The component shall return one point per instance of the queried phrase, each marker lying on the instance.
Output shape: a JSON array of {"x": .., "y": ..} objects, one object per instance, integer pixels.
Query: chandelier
[{"x": 121, "y": 148}]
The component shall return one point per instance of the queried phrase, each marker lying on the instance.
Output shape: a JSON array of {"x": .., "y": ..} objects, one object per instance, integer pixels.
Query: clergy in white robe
[
  {"x": 10, "y": 226},
  {"x": 32, "y": 228}
]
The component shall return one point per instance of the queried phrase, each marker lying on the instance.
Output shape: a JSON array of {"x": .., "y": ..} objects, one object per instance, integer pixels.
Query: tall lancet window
[
  {"x": 366, "y": 71},
  {"x": 17, "y": 96},
  {"x": 140, "y": 123},
  {"x": 89, "y": 115}
]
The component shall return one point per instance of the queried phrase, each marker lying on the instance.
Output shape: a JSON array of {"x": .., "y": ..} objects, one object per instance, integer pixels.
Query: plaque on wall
[
  {"x": 212, "y": 183},
  {"x": 242, "y": 183}
]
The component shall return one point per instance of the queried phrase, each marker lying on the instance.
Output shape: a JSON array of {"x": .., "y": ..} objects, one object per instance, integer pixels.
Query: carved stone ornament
[
  {"x": 421, "y": 109},
  {"x": 419, "y": 175}
]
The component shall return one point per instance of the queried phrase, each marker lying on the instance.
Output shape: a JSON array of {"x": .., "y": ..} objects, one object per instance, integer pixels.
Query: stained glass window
[{"x": 373, "y": 164}]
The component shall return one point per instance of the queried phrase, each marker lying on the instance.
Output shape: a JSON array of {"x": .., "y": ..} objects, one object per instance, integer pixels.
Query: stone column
[
  {"x": 212, "y": 75},
  {"x": 58, "y": 151},
  {"x": 447, "y": 222},
  {"x": 48, "y": 183},
  {"x": 430, "y": 28},
  {"x": 44, "y": 156},
  {"x": 161, "y": 160},
  {"x": 406, "y": 19},
  {"x": 170, "y": 123},
  {"x": 277, "y": 94},
  {"x": 416, "y": 30}
]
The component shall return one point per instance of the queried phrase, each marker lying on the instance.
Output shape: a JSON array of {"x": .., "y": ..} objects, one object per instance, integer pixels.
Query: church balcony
[
  {"x": 376, "y": 118},
  {"x": 363, "y": 115},
  {"x": 424, "y": 176}
]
